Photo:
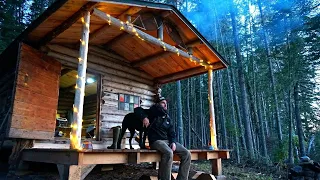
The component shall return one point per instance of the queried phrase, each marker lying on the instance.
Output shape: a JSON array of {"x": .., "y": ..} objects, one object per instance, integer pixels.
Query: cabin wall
[
  {"x": 36, "y": 95},
  {"x": 117, "y": 77},
  {"x": 111, "y": 116},
  {"x": 8, "y": 67}
]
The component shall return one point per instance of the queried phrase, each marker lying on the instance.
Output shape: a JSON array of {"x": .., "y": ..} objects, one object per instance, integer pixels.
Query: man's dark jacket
[{"x": 161, "y": 125}]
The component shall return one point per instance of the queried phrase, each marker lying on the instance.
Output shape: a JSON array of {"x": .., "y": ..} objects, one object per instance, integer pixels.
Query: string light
[
  {"x": 134, "y": 30},
  {"x": 109, "y": 19},
  {"x": 82, "y": 42},
  {"x": 178, "y": 53},
  {"x": 121, "y": 28}
]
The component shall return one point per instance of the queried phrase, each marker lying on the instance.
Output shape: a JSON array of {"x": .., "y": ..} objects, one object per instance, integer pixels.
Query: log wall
[{"x": 117, "y": 76}]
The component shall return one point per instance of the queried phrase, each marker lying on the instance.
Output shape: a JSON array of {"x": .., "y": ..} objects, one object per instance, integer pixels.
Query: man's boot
[{"x": 116, "y": 132}]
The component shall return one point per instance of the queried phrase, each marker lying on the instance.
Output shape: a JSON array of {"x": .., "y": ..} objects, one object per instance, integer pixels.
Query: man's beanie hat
[{"x": 160, "y": 99}]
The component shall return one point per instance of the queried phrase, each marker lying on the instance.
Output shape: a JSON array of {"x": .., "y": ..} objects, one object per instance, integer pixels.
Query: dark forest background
[{"x": 266, "y": 101}]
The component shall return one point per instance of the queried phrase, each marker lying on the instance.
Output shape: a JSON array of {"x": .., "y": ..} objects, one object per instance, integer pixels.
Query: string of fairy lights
[
  {"x": 75, "y": 140},
  {"x": 130, "y": 27}
]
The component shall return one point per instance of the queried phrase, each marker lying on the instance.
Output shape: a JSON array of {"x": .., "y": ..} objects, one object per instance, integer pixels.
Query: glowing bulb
[
  {"x": 90, "y": 80},
  {"x": 82, "y": 19}
]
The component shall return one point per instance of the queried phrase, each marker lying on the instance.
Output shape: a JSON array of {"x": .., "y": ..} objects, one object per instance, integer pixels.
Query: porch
[{"x": 77, "y": 164}]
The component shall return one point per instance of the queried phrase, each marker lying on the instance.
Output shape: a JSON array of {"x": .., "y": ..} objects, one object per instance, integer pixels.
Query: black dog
[{"x": 133, "y": 121}]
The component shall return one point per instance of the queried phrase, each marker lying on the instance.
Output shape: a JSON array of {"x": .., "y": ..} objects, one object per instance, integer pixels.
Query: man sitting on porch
[{"x": 162, "y": 137}]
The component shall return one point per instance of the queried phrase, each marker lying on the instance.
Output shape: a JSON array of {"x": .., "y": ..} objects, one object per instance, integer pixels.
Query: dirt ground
[{"x": 41, "y": 171}]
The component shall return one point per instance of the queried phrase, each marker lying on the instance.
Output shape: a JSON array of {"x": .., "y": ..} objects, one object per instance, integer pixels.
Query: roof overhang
[{"x": 61, "y": 24}]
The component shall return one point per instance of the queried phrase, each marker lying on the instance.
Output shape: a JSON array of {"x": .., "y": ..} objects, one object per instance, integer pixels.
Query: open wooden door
[{"x": 36, "y": 95}]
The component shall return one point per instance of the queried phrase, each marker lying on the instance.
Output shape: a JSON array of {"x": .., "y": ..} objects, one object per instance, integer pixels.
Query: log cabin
[{"x": 80, "y": 67}]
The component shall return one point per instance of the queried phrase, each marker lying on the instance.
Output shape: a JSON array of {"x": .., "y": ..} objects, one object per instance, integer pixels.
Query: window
[{"x": 128, "y": 102}]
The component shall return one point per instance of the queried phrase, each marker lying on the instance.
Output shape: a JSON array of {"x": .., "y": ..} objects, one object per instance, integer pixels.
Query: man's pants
[{"x": 165, "y": 165}]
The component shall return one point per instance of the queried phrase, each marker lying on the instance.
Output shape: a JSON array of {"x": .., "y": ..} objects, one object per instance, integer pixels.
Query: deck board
[{"x": 110, "y": 156}]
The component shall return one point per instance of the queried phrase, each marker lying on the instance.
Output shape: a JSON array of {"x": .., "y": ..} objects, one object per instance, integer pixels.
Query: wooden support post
[
  {"x": 75, "y": 137},
  {"x": 160, "y": 32},
  {"x": 155, "y": 165},
  {"x": 213, "y": 140},
  {"x": 216, "y": 167},
  {"x": 130, "y": 29}
]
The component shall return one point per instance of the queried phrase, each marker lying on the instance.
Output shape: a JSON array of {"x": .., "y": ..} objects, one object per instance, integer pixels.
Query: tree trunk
[
  {"x": 243, "y": 99},
  {"x": 233, "y": 116},
  {"x": 298, "y": 120},
  {"x": 240, "y": 126},
  {"x": 262, "y": 127},
  {"x": 221, "y": 111},
  {"x": 265, "y": 117},
  {"x": 179, "y": 113},
  {"x": 291, "y": 159},
  {"x": 201, "y": 109},
  {"x": 188, "y": 113},
  {"x": 273, "y": 88}
]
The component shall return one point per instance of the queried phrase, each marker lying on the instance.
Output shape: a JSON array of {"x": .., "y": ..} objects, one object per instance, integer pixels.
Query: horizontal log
[
  {"x": 73, "y": 62},
  {"x": 89, "y": 116},
  {"x": 100, "y": 61},
  {"x": 105, "y": 110},
  {"x": 108, "y": 125},
  {"x": 117, "y": 61},
  {"x": 115, "y": 90},
  {"x": 109, "y": 77},
  {"x": 127, "y": 88},
  {"x": 111, "y": 118},
  {"x": 108, "y": 55},
  {"x": 111, "y": 104},
  {"x": 110, "y": 96},
  {"x": 129, "y": 28}
]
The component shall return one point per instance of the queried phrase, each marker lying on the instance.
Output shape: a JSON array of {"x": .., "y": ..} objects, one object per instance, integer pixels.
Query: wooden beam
[
  {"x": 151, "y": 58},
  {"x": 117, "y": 39},
  {"x": 101, "y": 31},
  {"x": 162, "y": 54},
  {"x": 105, "y": 61},
  {"x": 75, "y": 136},
  {"x": 130, "y": 29},
  {"x": 66, "y": 24},
  {"x": 49, "y": 156},
  {"x": 187, "y": 73},
  {"x": 213, "y": 138}
]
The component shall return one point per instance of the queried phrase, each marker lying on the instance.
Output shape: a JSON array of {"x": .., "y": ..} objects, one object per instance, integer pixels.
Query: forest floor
[{"x": 40, "y": 171}]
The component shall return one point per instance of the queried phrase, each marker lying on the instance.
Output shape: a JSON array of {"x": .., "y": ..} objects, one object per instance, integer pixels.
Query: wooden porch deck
[{"x": 68, "y": 158}]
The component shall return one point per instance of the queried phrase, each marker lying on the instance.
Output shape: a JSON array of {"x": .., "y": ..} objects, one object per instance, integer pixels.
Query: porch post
[
  {"x": 75, "y": 136},
  {"x": 213, "y": 138}
]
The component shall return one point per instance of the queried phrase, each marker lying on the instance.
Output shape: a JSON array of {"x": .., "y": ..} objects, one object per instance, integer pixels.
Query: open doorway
[{"x": 64, "y": 116}]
